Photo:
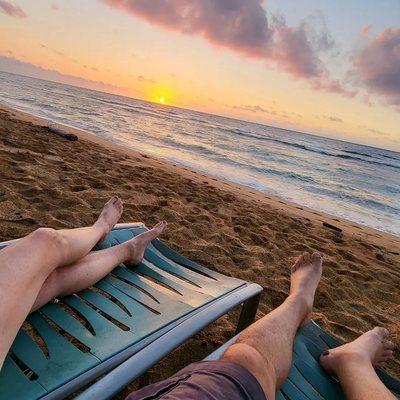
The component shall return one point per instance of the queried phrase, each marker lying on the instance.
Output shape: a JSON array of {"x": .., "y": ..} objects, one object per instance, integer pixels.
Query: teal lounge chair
[
  {"x": 306, "y": 381},
  {"x": 166, "y": 299}
]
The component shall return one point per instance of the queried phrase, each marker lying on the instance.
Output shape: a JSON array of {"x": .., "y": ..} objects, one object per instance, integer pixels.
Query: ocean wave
[
  {"x": 355, "y": 199},
  {"x": 313, "y": 149},
  {"x": 264, "y": 170},
  {"x": 357, "y": 152}
]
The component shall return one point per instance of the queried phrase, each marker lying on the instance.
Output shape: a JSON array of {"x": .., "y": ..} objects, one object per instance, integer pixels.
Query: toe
[
  {"x": 316, "y": 257},
  {"x": 306, "y": 257},
  {"x": 299, "y": 260},
  {"x": 381, "y": 332},
  {"x": 388, "y": 345},
  {"x": 387, "y": 354}
]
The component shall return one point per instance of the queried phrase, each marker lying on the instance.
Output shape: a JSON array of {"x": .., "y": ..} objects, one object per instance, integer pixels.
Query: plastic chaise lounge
[
  {"x": 306, "y": 381},
  {"x": 165, "y": 300}
]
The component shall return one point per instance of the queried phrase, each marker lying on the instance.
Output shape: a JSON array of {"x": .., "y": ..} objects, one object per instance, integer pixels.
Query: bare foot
[
  {"x": 110, "y": 215},
  {"x": 138, "y": 244},
  {"x": 372, "y": 347},
  {"x": 306, "y": 274}
]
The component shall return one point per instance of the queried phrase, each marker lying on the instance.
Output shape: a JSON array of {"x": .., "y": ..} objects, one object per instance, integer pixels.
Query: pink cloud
[
  {"x": 242, "y": 26},
  {"x": 326, "y": 84},
  {"x": 377, "y": 65},
  {"x": 294, "y": 52},
  {"x": 366, "y": 31},
  {"x": 11, "y": 10}
]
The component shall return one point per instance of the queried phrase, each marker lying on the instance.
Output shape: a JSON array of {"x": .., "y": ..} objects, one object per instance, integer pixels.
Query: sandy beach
[{"x": 47, "y": 180}]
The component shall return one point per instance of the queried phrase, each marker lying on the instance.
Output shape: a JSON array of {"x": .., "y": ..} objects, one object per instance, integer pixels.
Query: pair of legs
[
  {"x": 265, "y": 348},
  {"x": 49, "y": 263}
]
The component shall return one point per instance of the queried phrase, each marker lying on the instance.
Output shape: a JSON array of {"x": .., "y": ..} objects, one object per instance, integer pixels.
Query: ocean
[{"x": 356, "y": 182}]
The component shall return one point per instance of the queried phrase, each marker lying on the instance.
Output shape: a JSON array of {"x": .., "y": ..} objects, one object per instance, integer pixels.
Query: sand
[{"x": 46, "y": 180}]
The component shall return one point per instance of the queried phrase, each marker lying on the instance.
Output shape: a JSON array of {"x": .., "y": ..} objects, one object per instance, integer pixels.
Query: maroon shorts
[{"x": 205, "y": 380}]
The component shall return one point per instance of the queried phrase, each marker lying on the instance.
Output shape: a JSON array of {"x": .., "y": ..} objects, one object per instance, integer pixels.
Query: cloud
[
  {"x": 242, "y": 26},
  {"x": 377, "y": 64},
  {"x": 59, "y": 53},
  {"x": 15, "y": 66},
  {"x": 89, "y": 67},
  {"x": 255, "y": 109},
  {"x": 377, "y": 131},
  {"x": 373, "y": 130},
  {"x": 326, "y": 84},
  {"x": 11, "y": 10},
  {"x": 365, "y": 31},
  {"x": 332, "y": 118},
  {"x": 141, "y": 78},
  {"x": 294, "y": 51}
]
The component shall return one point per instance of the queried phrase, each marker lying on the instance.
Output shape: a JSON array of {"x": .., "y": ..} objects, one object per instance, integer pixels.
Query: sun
[{"x": 160, "y": 93}]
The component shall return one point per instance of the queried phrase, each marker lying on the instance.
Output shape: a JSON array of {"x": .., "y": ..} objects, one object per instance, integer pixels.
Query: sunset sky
[{"x": 325, "y": 67}]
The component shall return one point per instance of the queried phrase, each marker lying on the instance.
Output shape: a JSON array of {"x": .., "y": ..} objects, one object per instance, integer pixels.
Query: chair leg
[{"x": 248, "y": 313}]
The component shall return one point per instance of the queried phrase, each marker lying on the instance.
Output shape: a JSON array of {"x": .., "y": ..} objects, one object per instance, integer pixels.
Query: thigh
[
  {"x": 24, "y": 266},
  {"x": 206, "y": 380}
]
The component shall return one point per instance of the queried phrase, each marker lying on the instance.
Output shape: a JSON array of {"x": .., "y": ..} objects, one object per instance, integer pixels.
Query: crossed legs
[
  {"x": 49, "y": 263},
  {"x": 94, "y": 266},
  {"x": 265, "y": 348}
]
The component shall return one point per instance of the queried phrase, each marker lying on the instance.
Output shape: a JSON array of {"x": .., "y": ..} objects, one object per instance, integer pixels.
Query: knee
[
  {"x": 256, "y": 363},
  {"x": 244, "y": 354},
  {"x": 49, "y": 237}
]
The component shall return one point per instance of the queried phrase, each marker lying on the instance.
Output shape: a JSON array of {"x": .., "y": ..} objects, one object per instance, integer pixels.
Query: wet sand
[{"x": 48, "y": 180}]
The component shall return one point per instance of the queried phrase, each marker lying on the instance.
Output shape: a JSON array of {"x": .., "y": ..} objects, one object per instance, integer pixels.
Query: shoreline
[
  {"x": 46, "y": 180},
  {"x": 355, "y": 229}
]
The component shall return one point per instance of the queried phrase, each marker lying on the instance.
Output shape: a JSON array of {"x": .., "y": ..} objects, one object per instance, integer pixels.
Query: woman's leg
[
  {"x": 353, "y": 364},
  {"x": 25, "y": 265},
  {"x": 87, "y": 271},
  {"x": 78, "y": 242}
]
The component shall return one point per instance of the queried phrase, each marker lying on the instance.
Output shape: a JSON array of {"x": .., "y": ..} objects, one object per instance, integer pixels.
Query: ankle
[
  {"x": 101, "y": 226},
  {"x": 351, "y": 357},
  {"x": 345, "y": 360},
  {"x": 302, "y": 298}
]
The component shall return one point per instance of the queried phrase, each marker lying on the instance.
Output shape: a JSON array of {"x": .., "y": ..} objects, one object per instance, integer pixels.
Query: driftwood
[
  {"x": 60, "y": 132},
  {"x": 328, "y": 225}
]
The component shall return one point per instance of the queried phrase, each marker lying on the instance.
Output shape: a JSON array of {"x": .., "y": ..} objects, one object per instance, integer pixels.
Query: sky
[{"x": 326, "y": 67}]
